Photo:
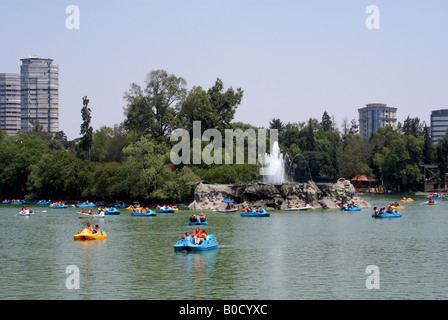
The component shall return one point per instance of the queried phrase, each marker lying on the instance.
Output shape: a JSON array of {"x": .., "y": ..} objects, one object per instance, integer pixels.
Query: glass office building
[
  {"x": 374, "y": 116},
  {"x": 439, "y": 124},
  {"x": 10, "y": 102},
  {"x": 39, "y": 93}
]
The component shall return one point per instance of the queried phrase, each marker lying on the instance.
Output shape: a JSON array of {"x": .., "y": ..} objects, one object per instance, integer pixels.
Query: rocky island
[{"x": 276, "y": 196}]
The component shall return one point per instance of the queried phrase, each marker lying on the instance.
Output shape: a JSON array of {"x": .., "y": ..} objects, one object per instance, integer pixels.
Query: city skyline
[{"x": 293, "y": 59}]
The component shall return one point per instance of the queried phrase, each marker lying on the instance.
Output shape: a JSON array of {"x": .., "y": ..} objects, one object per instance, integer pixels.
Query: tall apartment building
[
  {"x": 439, "y": 124},
  {"x": 10, "y": 102},
  {"x": 374, "y": 116},
  {"x": 39, "y": 93}
]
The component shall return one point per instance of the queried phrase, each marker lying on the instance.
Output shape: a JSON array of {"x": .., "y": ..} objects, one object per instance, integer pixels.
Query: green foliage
[{"x": 131, "y": 161}]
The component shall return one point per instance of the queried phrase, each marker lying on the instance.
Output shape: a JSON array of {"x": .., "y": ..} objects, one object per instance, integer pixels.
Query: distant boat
[{"x": 228, "y": 208}]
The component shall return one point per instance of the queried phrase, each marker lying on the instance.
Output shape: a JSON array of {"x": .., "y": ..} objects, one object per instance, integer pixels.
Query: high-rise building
[
  {"x": 374, "y": 116},
  {"x": 439, "y": 124},
  {"x": 39, "y": 93},
  {"x": 10, "y": 102}
]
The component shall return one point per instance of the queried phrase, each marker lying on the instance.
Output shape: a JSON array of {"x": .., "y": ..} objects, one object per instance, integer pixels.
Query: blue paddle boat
[
  {"x": 165, "y": 209},
  {"x": 111, "y": 211},
  {"x": 86, "y": 205},
  {"x": 254, "y": 213},
  {"x": 18, "y": 201},
  {"x": 354, "y": 207},
  {"x": 197, "y": 220},
  {"x": 43, "y": 203},
  {"x": 386, "y": 214},
  {"x": 143, "y": 213},
  {"x": 57, "y": 205},
  {"x": 187, "y": 244}
]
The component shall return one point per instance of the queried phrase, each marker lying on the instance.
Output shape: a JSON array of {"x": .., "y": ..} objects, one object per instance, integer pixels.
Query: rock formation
[{"x": 272, "y": 196}]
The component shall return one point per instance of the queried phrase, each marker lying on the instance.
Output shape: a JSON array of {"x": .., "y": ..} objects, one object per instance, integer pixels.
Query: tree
[
  {"x": 224, "y": 103},
  {"x": 86, "y": 128},
  {"x": 153, "y": 110},
  {"x": 326, "y": 124},
  {"x": 412, "y": 126},
  {"x": 442, "y": 156},
  {"x": 428, "y": 149},
  {"x": 353, "y": 127},
  {"x": 197, "y": 107},
  {"x": 277, "y": 124}
]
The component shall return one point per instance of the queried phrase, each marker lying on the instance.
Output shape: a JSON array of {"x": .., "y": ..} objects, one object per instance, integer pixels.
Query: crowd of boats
[{"x": 199, "y": 240}]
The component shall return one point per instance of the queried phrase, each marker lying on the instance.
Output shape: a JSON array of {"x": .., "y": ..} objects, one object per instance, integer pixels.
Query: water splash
[{"x": 273, "y": 170}]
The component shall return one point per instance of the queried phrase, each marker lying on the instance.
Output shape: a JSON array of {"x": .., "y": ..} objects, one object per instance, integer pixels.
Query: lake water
[{"x": 319, "y": 254}]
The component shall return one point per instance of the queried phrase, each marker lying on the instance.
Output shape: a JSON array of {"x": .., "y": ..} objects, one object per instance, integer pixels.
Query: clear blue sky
[{"x": 294, "y": 59}]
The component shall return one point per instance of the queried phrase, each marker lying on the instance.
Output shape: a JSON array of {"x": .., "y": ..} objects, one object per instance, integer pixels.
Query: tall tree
[
  {"x": 412, "y": 126},
  {"x": 153, "y": 110},
  {"x": 326, "y": 123},
  {"x": 277, "y": 124},
  {"x": 86, "y": 128},
  {"x": 442, "y": 156},
  {"x": 224, "y": 103},
  {"x": 428, "y": 149}
]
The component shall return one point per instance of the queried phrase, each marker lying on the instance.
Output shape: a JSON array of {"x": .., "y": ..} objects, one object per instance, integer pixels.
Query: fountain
[{"x": 273, "y": 169}]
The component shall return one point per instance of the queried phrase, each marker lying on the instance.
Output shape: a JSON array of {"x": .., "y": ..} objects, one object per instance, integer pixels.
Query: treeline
[
  {"x": 320, "y": 150},
  {"x": 131, "y": 160}
]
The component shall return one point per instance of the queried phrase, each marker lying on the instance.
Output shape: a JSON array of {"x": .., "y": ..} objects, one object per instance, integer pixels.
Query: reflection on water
[{"x": 290, "y": 255}]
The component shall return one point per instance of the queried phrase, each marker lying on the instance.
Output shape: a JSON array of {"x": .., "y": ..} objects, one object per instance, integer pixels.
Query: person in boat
[
  {"x": 98, "y": 230},
  {"x": 195, "y": 232},
  {"x": 82, "y": 210},
  {"x": 202, "y": 217},
  {"x": 186, "y": 234},
  {"x": 297, "y": 204},
  {"x": 201, "y": 236},
  {"x": 193, "y": 218},
  {"x": 376, "y": 211},
  {"x": 88, "y": 226},
  {"x": 431, "y": 201},
  {"x": 228, "y": 207}
]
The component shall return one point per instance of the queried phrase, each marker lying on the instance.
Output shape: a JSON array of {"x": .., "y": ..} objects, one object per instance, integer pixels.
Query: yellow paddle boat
[
  {"x": 86, "y": 234},
  {"x": 407, "y": 200},
  {"x": 397, "y": 207}
]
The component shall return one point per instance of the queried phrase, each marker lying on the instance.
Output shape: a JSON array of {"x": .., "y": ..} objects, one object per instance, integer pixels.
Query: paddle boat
[
  {"x": 18, "y": 201},
  {"x": 396, "y": 206},
  {"x": 350, "y": 207},
  {"x": 187, "y": 244},
  {"x": 6, "y": 201},
  {"x": 225, "y": 210},
  {"x": 228, "y": 208},
  {"x": 57, "y": 205},
  {"x": 164, "y": 209},
  {"x": 26, "y": 212},
  {"x": 86, "y": 204},
  {"x": 299, "y": 208},
  {"x": 41, "y": 203},
  {"x": 407, "y": 200},
  {"x": 143, "y": 213},
  {"x": 434, "y": 196},
  {"x": 197, "y": 220},
  {"x": 386, "y": 214},
  {"x": 86, "y": 234},
  {"x": 120, "y": 204},
  {"x": 431, "y": 202},
  {"x": 111, "y": 211},
  {"x": 90, "y": 215},
  {"x": 255, "y": 213}
]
